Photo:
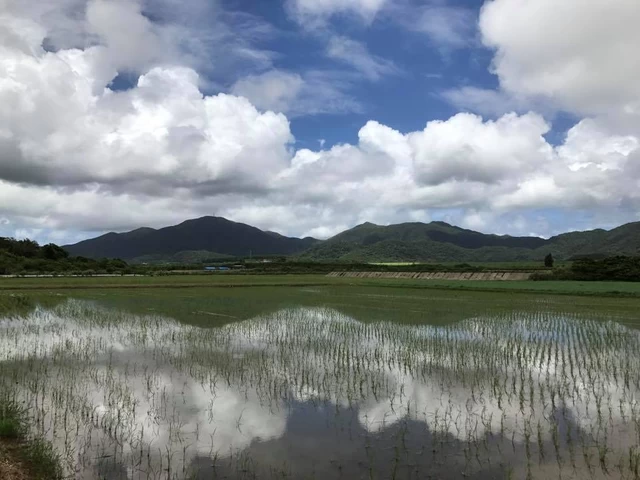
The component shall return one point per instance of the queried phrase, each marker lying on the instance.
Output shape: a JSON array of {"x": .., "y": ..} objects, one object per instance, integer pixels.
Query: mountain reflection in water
[{"x": 312, "y": 393}]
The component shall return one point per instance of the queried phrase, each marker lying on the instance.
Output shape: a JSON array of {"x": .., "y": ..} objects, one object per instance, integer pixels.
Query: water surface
[{"x": 335, "y": 385}]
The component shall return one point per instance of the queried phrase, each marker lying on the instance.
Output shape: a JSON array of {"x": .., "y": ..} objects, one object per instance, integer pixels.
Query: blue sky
[
  {"x": 427, "y": 67},
  {"x": 308, "y": 117},
  {"x": 404, "y": 100}
]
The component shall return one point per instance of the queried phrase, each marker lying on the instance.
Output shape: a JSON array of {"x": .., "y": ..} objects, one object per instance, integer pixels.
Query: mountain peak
[
  {"x": 143, "y": 230},
  {"x": 204, "y": 219},
  {"x": 209, "y": 233}
]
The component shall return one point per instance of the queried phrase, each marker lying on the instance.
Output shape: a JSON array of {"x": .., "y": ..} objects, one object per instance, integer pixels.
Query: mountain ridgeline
[
  {"x": 211, "y": 237},
  {"x": 441, "y": 242},
  {"x": 208, "y": 236}
]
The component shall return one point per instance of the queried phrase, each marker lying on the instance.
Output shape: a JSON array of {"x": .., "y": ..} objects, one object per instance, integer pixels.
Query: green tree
[
  {"x": 548, "y": 261},
  {"x": 52, "y": 251},
  {"x": 25, "y": 248}
]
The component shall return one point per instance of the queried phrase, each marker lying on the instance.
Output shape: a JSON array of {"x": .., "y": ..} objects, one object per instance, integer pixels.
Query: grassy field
[
  {"x": 213, "y": 300},
  {"x": 373, "y": 303},
  {"x": 173, "y": 281},
  {"x": 613, "y": 289},
  {"x": 620, "y": 289}
]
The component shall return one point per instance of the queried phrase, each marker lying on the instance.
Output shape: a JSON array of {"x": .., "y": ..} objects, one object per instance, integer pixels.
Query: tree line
[
  {"x": 616, "y": 268},
  {"x": 26, "y": 256}
]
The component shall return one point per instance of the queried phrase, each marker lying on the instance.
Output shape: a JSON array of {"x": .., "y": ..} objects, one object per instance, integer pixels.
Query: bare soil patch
[{"x": 10, "y": 467}]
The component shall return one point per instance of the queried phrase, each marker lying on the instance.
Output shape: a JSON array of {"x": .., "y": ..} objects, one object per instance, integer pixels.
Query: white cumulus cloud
[
  {"x": 77, "y": 155},
  {"x": 583, "y": 55},
  {"x": 466, "y": 148}
]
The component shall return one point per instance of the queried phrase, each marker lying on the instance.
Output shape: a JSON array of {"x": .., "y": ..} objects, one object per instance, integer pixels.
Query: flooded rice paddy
[{"x": 533, "y": 389}]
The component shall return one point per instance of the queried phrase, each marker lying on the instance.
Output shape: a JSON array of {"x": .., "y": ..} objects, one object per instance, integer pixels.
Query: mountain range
[
  {"x": 210, "y": 237},
  {"x": 441, "y": 242}
]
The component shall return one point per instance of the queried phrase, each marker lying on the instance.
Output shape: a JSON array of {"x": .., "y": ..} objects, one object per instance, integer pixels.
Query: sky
[{"x": 308, "y": 117}]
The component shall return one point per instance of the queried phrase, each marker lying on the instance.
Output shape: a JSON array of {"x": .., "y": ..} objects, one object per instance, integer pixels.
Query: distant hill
[
  {"x": 441, "y": 242},
  {"x": 206, "y": 234},
  {"x": 369, "y": 234}
]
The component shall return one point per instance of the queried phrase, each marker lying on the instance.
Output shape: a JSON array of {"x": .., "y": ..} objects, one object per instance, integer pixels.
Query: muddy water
[{"x": 309, "y": 392}]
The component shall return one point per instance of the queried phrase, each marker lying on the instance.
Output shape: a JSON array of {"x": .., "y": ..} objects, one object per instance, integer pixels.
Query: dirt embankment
[
  {"x": 10, "y": 467},
  {"x": 487, "y": 276}
]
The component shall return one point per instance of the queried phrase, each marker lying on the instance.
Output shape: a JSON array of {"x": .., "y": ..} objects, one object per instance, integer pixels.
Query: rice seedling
[{"x": 309, "y": 392}]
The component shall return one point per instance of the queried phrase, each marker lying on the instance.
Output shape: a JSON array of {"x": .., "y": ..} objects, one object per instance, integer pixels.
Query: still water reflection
[{"x": 313, "y": 393}]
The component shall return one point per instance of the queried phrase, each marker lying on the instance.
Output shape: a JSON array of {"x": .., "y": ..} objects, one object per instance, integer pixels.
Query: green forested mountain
[
  {"x": 197, "y": 240},
  {"x": 369, "y": 234},
  {"x": 441, "y": 242},
  {"x": 206, "y": 234}
]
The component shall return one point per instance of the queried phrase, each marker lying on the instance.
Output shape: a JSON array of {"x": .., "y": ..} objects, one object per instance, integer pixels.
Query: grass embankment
[{"x": 598, "y": 288}]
